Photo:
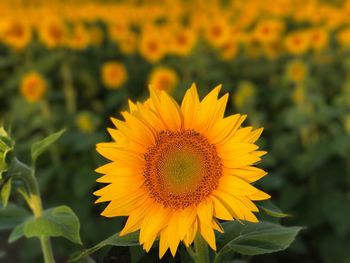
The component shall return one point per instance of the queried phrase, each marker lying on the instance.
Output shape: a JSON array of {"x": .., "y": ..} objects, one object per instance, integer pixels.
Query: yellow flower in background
[
  {"x": 245, "y": 92},
  {"x": 318, "y": 39},
  {"x": 217, "y": 31},
  {"x": 52, "y": 32},
  {"x": 128, "y": 43},
  {"x": 183, "y": 41},
  {"x": 176, "y": 170},
  {"x": 297, "y": 43},
  {"x": 85, "y": 122},
  {"x": 268, "y": 31},
  {"x": 79, "y": 37},
  {"x": 298, "y": 95},
  {"x": 152, "y": 45},
  {"x": 297, "y": 71},
  {"x": 33, "y": 87},
  {"x": 113, "y": 74},
  {"x": 15, "y": 33},
  {"x": 163, "y": 78},
  {"x": 343, "y": 37},
  {"x": 229, "y": 50}
]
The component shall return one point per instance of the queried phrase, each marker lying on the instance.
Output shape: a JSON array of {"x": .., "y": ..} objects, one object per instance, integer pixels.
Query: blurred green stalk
[{"x": 27, "y": 174}]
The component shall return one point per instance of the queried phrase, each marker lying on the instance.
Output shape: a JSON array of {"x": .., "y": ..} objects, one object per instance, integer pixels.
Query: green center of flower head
[{"x": 181, "y": 168}]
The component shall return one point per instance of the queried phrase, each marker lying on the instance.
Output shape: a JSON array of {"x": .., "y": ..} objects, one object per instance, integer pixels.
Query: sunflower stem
[
  {"x": 27, "y": 175},
  {"x": 201, "y": 250}
]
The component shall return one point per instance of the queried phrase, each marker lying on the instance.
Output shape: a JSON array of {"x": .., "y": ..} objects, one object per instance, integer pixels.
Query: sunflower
[
  {"x": 163, "y": 78},
  {"x": 52, "y": 32},
  {"x": 176, "y": 170},
  {"x": 113, "y": 74},
  {"x": 33, "y": 87}
]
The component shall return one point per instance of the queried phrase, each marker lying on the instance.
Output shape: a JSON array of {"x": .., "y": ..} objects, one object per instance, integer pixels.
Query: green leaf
[
  {"x": 59, "y": 221},
  {"x": 11, "y": 216},
  {"x": 271, "y": 209},
  {"x": 6, "y": 191},
  {"x": 114, "y": 240},
  {"x": 39, "y": 147},
  {"x": 6, "y": 145},
  {"x": 254, "y": 238},
  {"x": 16, "y": 233}
]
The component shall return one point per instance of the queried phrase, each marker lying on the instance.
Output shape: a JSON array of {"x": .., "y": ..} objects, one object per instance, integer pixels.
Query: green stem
[
  {"x": 68, "y": 87},
  {"x": 27, "y": 175},
  {"x": 46, "y": 112},
  {"x": 201, "y": 248}
]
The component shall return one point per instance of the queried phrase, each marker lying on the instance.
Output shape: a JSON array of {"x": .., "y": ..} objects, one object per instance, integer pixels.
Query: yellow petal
[
  {"x": 240, "y": 161},
  {"x": 190, "y": 235},
  {"x": 234, "y": 129},
  {"x": 247, "y": 173},
  {"x": 222, "y": 128},
  {"x": 125, "y": 205},
  {"x": 187, "y": 217},
  {"x": 220, "y": 210},
  {"x": 173, "y": 232},
  {"x": 124, "y": 156},
  {"x": 163, "y": 243},
  {"x": 258, "y": 196},
  {"x": 189, "y": 107},
  {"x": 236, "y": 186},
  {"x": 254, "y": 135},
  {"x": 168, "y": 109},
  {"x": 205, "y": 215},
  {"x": 136, "y": 217},
  {"x": 231, "y": 149},
  {"x": 154, "y": 221}
]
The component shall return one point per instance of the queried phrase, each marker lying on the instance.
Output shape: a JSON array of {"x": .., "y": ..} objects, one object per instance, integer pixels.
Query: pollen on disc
[{"x": 182, "y": 168}]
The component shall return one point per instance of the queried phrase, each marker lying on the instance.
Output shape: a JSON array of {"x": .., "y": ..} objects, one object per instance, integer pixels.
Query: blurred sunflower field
[{"x": 73, "y": 64}]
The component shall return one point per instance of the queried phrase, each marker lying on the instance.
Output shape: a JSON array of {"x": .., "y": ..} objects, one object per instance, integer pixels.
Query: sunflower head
[
  {"x": 33, "y": 87},
  {"x": 113, "y": 74},
  {"x": 175, "y": 170}
]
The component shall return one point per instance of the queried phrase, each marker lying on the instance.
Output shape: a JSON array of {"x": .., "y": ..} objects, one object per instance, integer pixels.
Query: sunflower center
[{"x": 182, "y": 168}]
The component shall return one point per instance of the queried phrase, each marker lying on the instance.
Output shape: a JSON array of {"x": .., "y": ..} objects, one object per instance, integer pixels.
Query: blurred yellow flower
[
  {"x": 33, "y": 87},
  {"x": 174, "y": 169},
  {"x": 343, "y": 37},
  {"x": 152, "y": 45},
  {"x": 297, "y": 43},
  {"x": 128, "y": 43},
  {"x": 163, "y": 78},
  {"x": 113, "y": 74},
  {"x": 229, "y": 50},
  {"x": 217, "y": 31},
  {"x": 318, "y": 39},
  {"x": 52, "y": 32},
  {"x": 85, "y": 122},
  {"x": 79, "y": 37},
  {"x": 182, "y": 41},
  {"x": 297, "y": 71},
  {"x": 15, "y": 33},
  {"x": 268, "y": 31}
]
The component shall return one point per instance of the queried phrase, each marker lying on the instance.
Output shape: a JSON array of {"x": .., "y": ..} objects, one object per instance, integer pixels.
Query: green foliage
[
  {"x": 60, "y": 221},
  {"x": 114, "y": 240},
  {"x": 254, "y": 238},
  {"x": 12, "y": 216},
  {"x": 271, "y": 209},
  {"x": 40, "y": 147}
]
